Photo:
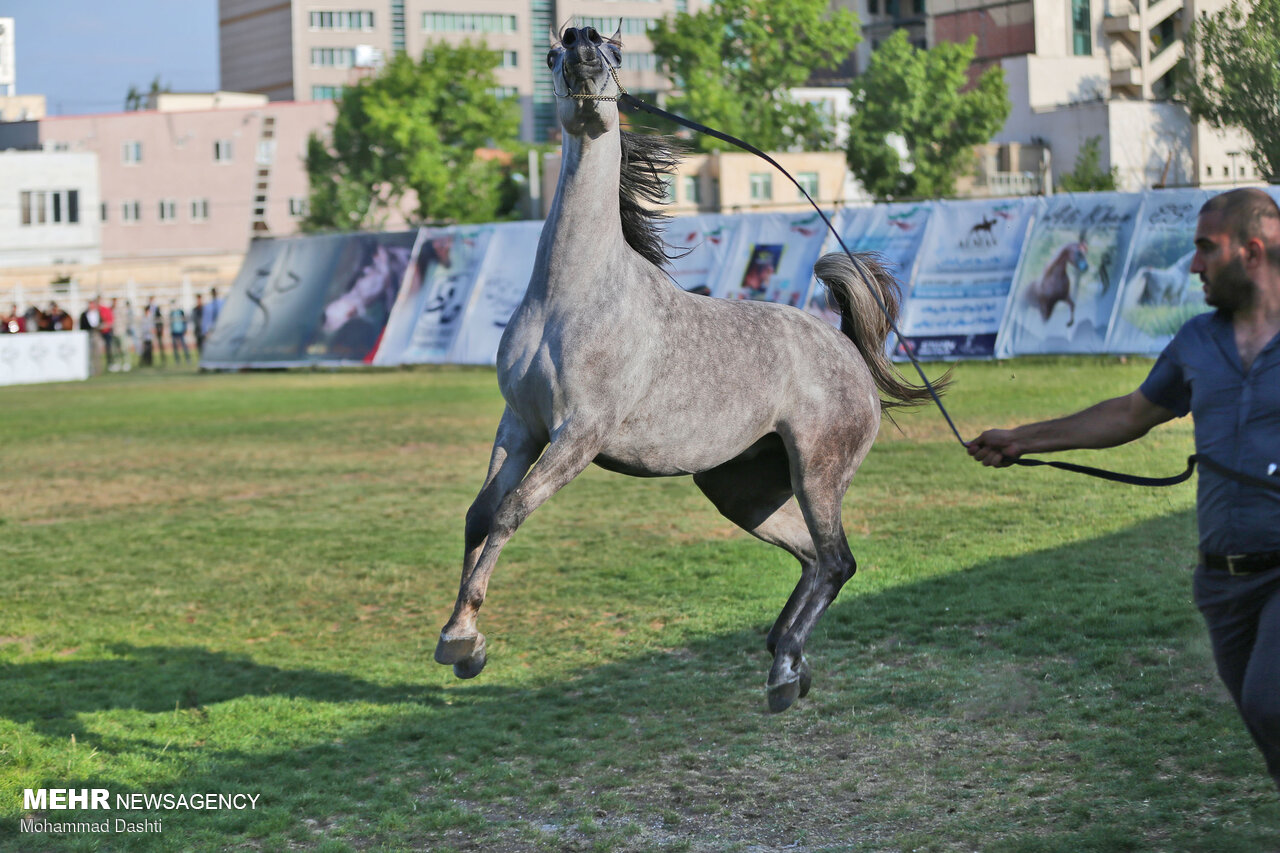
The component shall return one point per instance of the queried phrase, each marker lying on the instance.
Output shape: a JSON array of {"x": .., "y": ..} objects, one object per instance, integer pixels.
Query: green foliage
[
  {"x": 1087, "y": 175},
  {"x": 407, "y": 139},
  {"x": 1235, "y": 76},
  {"x": 921, "y": 96},
  {"x": 734, "y": 61}
]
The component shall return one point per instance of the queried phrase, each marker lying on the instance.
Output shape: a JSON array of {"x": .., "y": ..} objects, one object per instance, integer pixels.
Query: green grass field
[{"x": 234, "y": 583}]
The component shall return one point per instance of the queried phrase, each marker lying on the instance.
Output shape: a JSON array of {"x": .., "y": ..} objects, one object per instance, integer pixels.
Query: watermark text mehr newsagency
[{"x": 101, "y": 799}]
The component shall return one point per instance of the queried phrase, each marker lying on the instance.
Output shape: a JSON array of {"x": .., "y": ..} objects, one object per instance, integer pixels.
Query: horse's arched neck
[{"x": 585, "y": 212}]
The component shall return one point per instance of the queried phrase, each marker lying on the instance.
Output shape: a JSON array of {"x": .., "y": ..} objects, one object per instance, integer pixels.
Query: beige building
[
  {"x": 1078, "y": 69},
  {"x": 308, "y": 50},
  {"x": 739, "y": 182},
  {"x": 178, "y": 190}
]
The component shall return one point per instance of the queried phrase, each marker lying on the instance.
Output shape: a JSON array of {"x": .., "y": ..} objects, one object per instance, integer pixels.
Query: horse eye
[{"x": 551, "y": 58}]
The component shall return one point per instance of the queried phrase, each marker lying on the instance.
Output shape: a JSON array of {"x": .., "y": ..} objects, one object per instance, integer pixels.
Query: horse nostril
[
  {"x": 593, "y": 36},
  {"x": 570, "y": 36}
]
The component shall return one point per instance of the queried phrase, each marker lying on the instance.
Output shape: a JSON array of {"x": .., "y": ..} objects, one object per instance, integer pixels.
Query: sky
[{"x": 83, "y": 55}]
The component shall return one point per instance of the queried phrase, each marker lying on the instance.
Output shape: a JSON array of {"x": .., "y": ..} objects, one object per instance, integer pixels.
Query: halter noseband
[{"x": 613, "y": 72}]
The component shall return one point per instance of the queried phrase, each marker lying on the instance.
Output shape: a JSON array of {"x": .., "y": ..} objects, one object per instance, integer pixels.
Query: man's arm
[{"x": 1111, "y": 422}]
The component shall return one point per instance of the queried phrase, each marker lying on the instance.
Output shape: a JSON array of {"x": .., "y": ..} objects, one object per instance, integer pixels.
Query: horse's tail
[{"x": 850, "y": 281}]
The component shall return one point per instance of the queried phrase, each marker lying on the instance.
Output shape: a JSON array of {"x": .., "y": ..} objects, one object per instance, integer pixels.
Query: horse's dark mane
[{"x": 646, "y": 162}]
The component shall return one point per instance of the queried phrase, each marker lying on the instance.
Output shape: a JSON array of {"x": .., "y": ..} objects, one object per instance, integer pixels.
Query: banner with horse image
[
  {"x": 1065, "y": 288},
  {"x": 893, "y": 231},
  {"x": 1159, "y": 293},
  {"x": 771, "y": 258},
  {"x": 428, "y": 312},
  {"x": 500, "y": 285},
  {"x": 966, "y": 265},
  {"x": 703, "y": 244},
  {"x": 303, "y": 301}
]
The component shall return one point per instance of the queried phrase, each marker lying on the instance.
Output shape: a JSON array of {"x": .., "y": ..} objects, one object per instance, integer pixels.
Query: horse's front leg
[
  {"x": 489, "y": 530},
  {"x": 514, "y": 450}
]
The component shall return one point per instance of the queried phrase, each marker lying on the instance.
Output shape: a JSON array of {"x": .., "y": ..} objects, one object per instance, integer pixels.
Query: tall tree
[
  {"x": 1088, "y": 174},
  {"x": 734, "y": 62},
  {"x": 921, "y": 100},
  {"x": 407, "y": 140},
  {"x": 1234, "y": 65}
]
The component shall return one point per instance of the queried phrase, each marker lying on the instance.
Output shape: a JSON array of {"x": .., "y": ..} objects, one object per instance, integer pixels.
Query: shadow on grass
[{"x": 1055, "y": 701}]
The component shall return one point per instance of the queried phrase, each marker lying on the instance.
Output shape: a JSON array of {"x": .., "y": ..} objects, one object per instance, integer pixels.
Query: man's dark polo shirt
[{"x": 1237, "y": 424}]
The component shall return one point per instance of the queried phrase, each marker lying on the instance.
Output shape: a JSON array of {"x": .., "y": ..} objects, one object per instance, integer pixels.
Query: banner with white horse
[
  {"x": 967, "y": 260},
  {"x": 309, "y": 300},
  {"x": 1065, "y": 287},
  {"x": 1159, "y": 292}
]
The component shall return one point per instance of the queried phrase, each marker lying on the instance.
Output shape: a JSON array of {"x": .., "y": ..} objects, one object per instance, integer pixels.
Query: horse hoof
[
  {"x": 470, "y": 667},
  {"x": 458, "y": 649},
  {"x": 806, "y": 678},
  {"x": 781, "y": 696}
]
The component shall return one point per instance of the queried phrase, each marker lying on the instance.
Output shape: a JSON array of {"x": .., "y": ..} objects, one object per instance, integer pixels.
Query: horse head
[{"x": 583, "y": 64}]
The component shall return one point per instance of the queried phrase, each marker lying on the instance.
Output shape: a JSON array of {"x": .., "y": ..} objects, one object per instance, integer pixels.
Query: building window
[
  {"x": 131, "y": 211},
  {"x": 168, "y": 210},
  {"x": 1081, "y": 28},
  {"x": 639, "y": 61},
  {"x": 297, "y": 205},
  {"x": 509, "y": 59},
  {"x": 342, "y": 21},
  {"x": 808, "y": 182},
  {"x": 692, "y": 190},
  {"x": 199, "y": 210},
  {"x": 873, "y": 7},
  {"x": 629, "y": 26},
  {"x": 333, "y": 57},
  {"x": 467, "y": 22},
  {"x": 102, "y": 211},
  {"x": 222, "y": 151},
  {"x": 133, "y": 152},
  {"x": 326, "y": 93},
  {"x": 49, "y": 207},
  {"x": 503, "y": 91},
  {"x": 761, "y": 186}
]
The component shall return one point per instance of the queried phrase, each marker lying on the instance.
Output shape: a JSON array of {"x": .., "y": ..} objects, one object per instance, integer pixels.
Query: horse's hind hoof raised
[
  {"x": 467, "y": 654},
  {"x": 784, "y": 693},
  {"x": 470, "y": 667}
]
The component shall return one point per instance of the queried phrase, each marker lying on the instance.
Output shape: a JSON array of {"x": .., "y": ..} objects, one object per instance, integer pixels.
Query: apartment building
[
  {"x": 1077, "y": 69},
  {"x": 48, "y": 211},
  {"x": 309, "y": 50},
  {"x": 198, "y": 174}
]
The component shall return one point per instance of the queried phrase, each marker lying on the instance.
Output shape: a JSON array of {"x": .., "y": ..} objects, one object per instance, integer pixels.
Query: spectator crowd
[{"x": 123, "y": 335}]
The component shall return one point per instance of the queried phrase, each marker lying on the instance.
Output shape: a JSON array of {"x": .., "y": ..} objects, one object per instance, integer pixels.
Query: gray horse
[{"x": 607, "y": 361}]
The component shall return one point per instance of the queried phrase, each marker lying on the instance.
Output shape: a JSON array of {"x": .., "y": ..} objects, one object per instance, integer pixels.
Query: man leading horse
[{"x": 1223, "y": 368}]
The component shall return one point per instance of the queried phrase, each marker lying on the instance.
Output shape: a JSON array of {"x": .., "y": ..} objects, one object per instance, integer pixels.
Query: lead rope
[{"x": 625, "y": 97}]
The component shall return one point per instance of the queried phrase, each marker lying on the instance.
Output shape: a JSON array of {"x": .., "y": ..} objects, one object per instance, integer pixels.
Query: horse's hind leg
[
  {"x": 821, "y": 480},
  {"x": 754, "y": 492},
  {"x": 567, "y": 455}
]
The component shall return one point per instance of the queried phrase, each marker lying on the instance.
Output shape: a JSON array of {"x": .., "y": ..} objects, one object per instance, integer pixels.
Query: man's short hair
[{"x": 1249, "y": 213}]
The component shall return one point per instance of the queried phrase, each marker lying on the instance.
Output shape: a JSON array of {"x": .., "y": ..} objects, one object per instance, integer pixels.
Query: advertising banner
[
  {"x": 966, "y": 264},
  {"x": 703, "y": 243},
  {"x": 309, "y": 300},
  {"x": 428, "y": 311},
  {"x": 893, "y": 231},
  {"x": 500, "y": 285},
  {"x": 772, "y": 258},
  {"x": 1068, "y": 278},
  {"x": 1159, "y": 292},
  {"x": 43, "y": 357}
]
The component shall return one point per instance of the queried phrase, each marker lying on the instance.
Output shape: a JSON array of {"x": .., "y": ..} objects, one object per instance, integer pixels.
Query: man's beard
[{"x": 1230, "y": 290}]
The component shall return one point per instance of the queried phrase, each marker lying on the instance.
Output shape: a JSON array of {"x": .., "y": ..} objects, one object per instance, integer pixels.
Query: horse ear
[
  {"x": 616, "y": 38},
  {"x": 553, "y": 40}
]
